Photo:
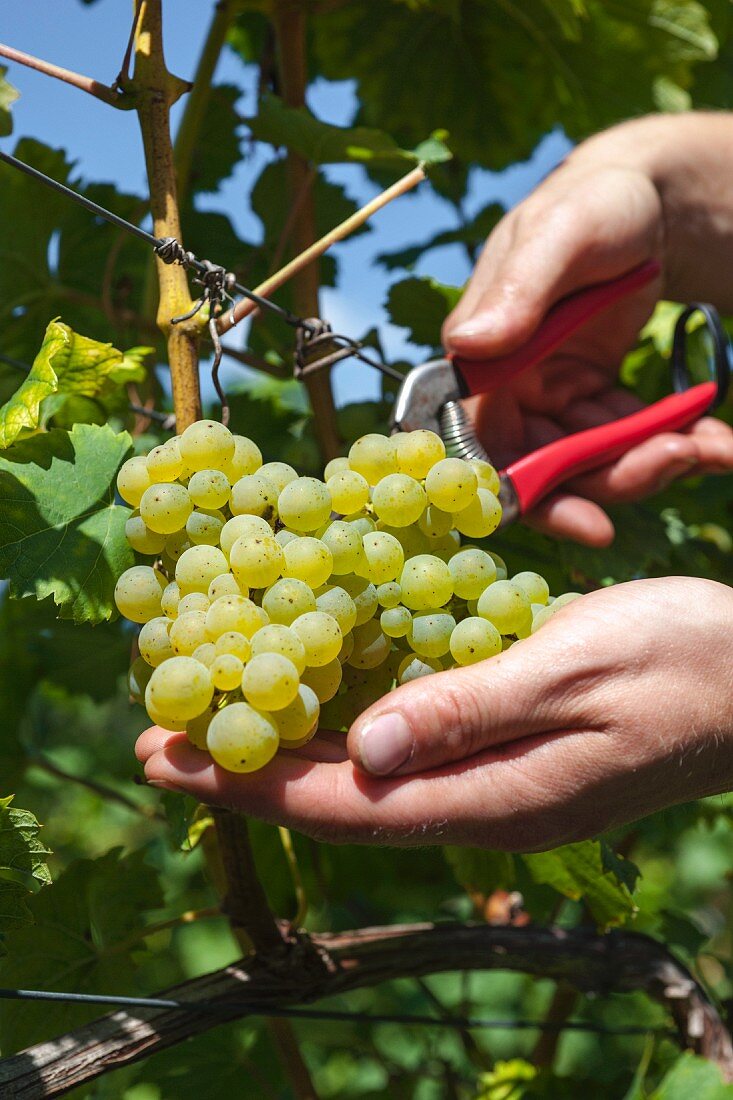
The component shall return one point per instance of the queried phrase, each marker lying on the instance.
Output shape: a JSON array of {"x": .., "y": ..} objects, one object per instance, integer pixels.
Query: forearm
[{"x": 689, "y": 159}]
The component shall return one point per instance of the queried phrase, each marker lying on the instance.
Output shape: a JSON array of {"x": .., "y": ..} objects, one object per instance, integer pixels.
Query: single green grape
[
  {"x": 277, "y": 638},
  {"x": 253, "y": 495},
  {"x": 399, "y": 500},
  {"x": 165, "y": 507},
  {"x": 430, "y": 633},
  {"x": 235, "y": 644},
  {"x": 224, "y": 585},
  {"x": 180, "y": 688},
  {"x": 413, "y": 667},
  {"x": 371, "y": 646},
  {"x": 226, "y": 671},
  {"x": 234, "y": 612},
  {"x": 487, "y": 476},
  {"x": 209, "y": 489},
  {"x": 418, "y": 452},
  {"x": 364, "y": 595},
  {"x": 241, "y": 738},
  {"x": 389, "y": 594},
  {"x": 197, "y": 567},
  {"x": 298, "y": 721},
  {"x": 336, "y": 601},
  {"x": 426, "y": 582},
  {"x": 505, "y": 605},
  {"x": 205, "y": 527},
  {"x": 193, "y": 601},
  {"x": 164, "y": 463},
  {"x": 474, "y": 639},
  {"x": 278, "y": 474},
  {"x": 170, "y": 600},
  {"x": 133, "y": 479},
  {"x": 256, "y": 560},
  {"x": 451, "y": 484},
  {"x": 304, "y": 504},
  {"x": 187, "y": 632},
  {"x": 395, "y": 622},
  {"x": 321, "y": 636},
  {"x": 324, "y": 680},
  {"x": 308, "y": 559},
  {"x": 373, "y": 456},
  {"x": 481, "y": 517},
  {"x": 533, "y": 585},
  {"x": 205, "y": 653},
  {"x": 472, "y": 571},
  {"x": 140, "y": 538},
  {"x": 239, "y": 526},
  {"x": 344, "y": 543},
  {"x": 247, "y": 459},
  {"x": 206, "y": 445},
  {"x": 349, "y": 490},
  {"x": 287, "y": 599},
  {"x": 138, "y": 593},
  {"x": 270, "y": 681}
]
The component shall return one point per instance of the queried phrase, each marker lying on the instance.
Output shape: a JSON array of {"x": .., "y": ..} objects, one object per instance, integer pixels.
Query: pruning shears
[{"x": 431, "y": 393}]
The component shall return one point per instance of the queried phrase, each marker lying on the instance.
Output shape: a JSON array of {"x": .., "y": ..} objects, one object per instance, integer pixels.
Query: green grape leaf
[
  {"x": 591, "y": 871},
  {"x": 217, "y": 150},
  {"x": 692, "y": 1076},
  {"x": 66, "y": 364},
  {"x": 421, "y": 305},
  {"x": 82, "y": 940},
  {"x": 480, "y": 871},
  {"x": 22, "y": 852},
  {"x": 8, "y": 96},
  {"x": 61, "y": 534},
  {"x": 507, "y": 1081},
  {"x": 322, "y": 143}
]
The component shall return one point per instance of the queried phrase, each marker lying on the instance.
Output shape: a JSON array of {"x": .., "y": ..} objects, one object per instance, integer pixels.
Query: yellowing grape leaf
[
  {"x": 8, "y": 96},
  {"x": 297, "y": 129},
  {"x": 61, "y": 533},
  {"x": 82, "y": 939},
  {"x": 67, "y": 363}
]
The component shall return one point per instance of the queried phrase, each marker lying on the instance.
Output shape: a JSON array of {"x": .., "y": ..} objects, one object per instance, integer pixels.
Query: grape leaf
[
  {"x": 81, "y": 940},
  {"x": 300, "y": 131},
  {"x": 61, "y": 534},
  {"x": 22, "y": 853},
  {"x": 421, "y": 305},
  {"x": 66, "y": 363},
  {"x": 591, "y": 871},
  {"x": 8, "y": 96},
  {"x": 218, "y": 147},
  {"x": 692, "y": 1076},
  {"x": 480, "y": 871}
]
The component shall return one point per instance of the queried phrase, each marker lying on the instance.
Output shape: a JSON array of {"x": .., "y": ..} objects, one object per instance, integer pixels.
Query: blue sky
[{"x": 106, "y": 147}]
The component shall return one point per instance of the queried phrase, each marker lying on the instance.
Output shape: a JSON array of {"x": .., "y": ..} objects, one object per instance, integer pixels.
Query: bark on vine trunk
[{"x": 323, "y": 965}]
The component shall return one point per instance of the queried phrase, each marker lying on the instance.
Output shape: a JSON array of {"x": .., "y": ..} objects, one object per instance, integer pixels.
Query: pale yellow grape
[
  {"x": 241, "y": 738},
  {"x": 234, "y": 612},
  {"x": 487, "y": 476},
  {"x": 164, "y": 463},
  {"x": 278, "y": 474},
  {"x": 197, "y": 567},
  {"x": 153, "y": 641},
  {"x": 175, "y": 545},
  {"x": 506, "y": 606},
  {"x": 140, "y": 538},
  {"x": 336, "y": 601},
  {"x": 298, "y": 721},
  {"x": 138, "y": 593},
  {"x": 395, "y": 622},
  {"x": 413, "y": 667},
  {"x": 167, "y": 722},
  {"x": 309, "y": 560},
  {"x": 138, "y": 678},
  {"x": 446, "y": 546},
  {"x": 241, "y": 525},
  {"x": 133, "y": 479},
  {"x": 472, "y": 570},
  {"x": 360, "y": 522},
  {"x": 247, "y": 459},
  {"x": 209, "y": 489},
  {"x": 364, "y": 595},
  {"x": 321, "y": 636},
  {"x": 411, "y": 539},
  {"x": 256, "y": 560},
  {"x": 536, "y": 587},
  {"x": 349, "y": 491},
  {"x": 304, "y": 504},
  {"x": 335, "y": 466},
  {"x": 193, "y": 601},
  {"x": 383, "y": 555},
  {"x": 418, "y": 452},
  {"x": 566, "y": 598},
  {"x": 481, "y": 517},
  {"x": 389, "y": 594},
  {"x": 197, "y": 728},
  {"x": 188, "y": 632},
  {"x": 180, "y": 688},
  {"x": 276, "y": 638},
  {"x": 270, "y": 681},
  {"x": 235, "y": 644},
  {"x": 324, "y": 681},
  {"x": 344, "y": 543},
  {"x": 501, "y": 570},
  {"x": 371, "y": 646},
  {"x": 430, "y": 632},
  {"x": 205, "y": 653},
  {"x": 451, "y": 484},
  {"x": 253, "y": 495},
  {"x": 399, "y": 500},
  {"x": 224, "y": 585},
  {"x": 426, "y": 582},
  {"x": 226, "y": 672},
  {"x": 545, "y": 613},
  {"x": 205, "y": 527},
  {"x": 435, "y": 523},
  {"x": 373, "y": 456},
  {"x": 206, "y": 445},
  {"x": 347, "y": 648},
  {"x": 170, "y": 599},
  {"x": 474, "y": 639},
  {"x": 283, "y": 537},
  {"x": 287, "y": 599},
  {"x": 165, "y": 507}
]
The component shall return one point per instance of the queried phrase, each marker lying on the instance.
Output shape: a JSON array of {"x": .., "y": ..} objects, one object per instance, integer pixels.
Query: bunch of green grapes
[{"x": 269, "y": 603}]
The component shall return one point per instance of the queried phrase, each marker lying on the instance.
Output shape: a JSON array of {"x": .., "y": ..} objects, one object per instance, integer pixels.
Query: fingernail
[
  {"x": 165, "y": 786},
  {"x": 481, "y": 324},
  {"x": 385, "y": 743}
]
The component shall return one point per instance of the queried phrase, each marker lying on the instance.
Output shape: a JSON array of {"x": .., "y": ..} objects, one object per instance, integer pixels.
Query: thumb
[
  {"x": 452, "y": 715},
  {"x": 578, "y": 228}
]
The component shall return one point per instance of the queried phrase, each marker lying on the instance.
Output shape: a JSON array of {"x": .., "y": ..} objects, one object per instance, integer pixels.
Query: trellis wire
[{"x": 459, "y": 1023}]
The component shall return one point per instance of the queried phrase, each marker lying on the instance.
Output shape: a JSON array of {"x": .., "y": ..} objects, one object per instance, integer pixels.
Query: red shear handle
[
  {"x": 562, "y": 320},
  {"x": 537, "y": 473}
]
